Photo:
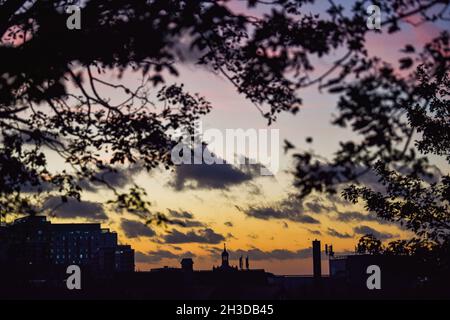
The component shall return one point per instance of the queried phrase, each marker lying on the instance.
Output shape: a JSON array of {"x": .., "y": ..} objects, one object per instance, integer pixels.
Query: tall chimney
[{"x": 317, "y": 268}]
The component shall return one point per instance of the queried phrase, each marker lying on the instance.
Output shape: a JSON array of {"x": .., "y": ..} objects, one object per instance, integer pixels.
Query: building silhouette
[
  {"x": 225, "y": 266},
  {"x": 317, "y": 265},
  {"x": 225, "y": 257},
  {"x": 35, "y": 253},
  {"x": 398, "y": 272},
  {"x": 36, "y": 244}
]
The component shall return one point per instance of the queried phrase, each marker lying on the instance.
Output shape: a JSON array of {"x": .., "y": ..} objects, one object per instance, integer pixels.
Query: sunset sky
[{"x": 254, "y": 215}]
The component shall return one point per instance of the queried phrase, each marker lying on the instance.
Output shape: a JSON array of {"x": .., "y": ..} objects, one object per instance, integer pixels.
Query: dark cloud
[
  {"x": 184, "y": 219},
  {"x": 136, "y": 229},
  {"x": 337, "y": 199},
  {"x": 349, "y": 216},
  {"x": 41, "y": 187},
  {"x": 180, "y": 214},
  {"x": 204, "y": 176},
  {"x": 267, "y": 213},
  {"x": 155, "y": 256},
  {"x": 366, "y": 176},
  {"x": 317, "y": 205},
  {"x": 206, "y": 235},
  {"x": 115, "y": 177},
  {"x": 370, "y": 179},
  {"x": 188, "y": 223},
  {"x": 316, "y": 232},
  {"x": 213, "y": 176},
  {"x": 158, "y": 255},
  {"x": 260, "y": 255},
  {"x": 74, "y": 209},
  {"x": 256, "y": 254},
  {"x": 230, "y": 236},
  {"x": 228, "y": 223},
  {"x": 290, "y": 208},
  {"x": 363, "y": 230},
  {"x": 334, "y": 233},
  {"x": 314, "y": 207}
]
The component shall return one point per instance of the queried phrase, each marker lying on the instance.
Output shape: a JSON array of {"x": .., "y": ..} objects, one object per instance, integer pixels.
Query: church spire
[{"x": 225, "y": 256}]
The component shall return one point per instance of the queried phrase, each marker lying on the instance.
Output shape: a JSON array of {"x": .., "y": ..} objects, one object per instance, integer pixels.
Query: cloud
[
  {"x": 334, "y": 233},
  {"x": 228, "y": 224},
  {"x": 115, "y": 177},
  {"x": 337, "y": 199},
  {"x": 73, "y": 208},
  {"x": 366, "y": 176},
  {"x": 363, "y": 230},
  {"x": 43, "y": 186},
  {"x": 260, "y": 255},
  {"x": 136, "y": 229},
  {"x": 316, "y": 232},
  {"x": 158, "y": 255},
  {"x": 339, "y": 174},
  {"x": 184, "y": 219},
  {"x": 180, "y": 214},
  {"x": 290, "y": 208},
  {"x": 317, "y": 205},
  {"x": 213, "y": 176},
  {"x": 266, "y": 213},
  {"x": 349, "y": 216},
  {"x": 204, "y": 176},
  {"x": 206, "y": 235}
]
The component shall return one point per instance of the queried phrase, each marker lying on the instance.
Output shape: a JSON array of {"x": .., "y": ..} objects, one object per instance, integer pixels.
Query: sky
[{"x": 254, "y": 215}]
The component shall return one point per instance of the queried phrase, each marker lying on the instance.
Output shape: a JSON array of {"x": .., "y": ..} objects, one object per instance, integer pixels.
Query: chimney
[{"x": 317, "y": 268}]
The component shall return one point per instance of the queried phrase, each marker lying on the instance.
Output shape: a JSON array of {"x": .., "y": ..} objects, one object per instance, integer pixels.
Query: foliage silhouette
[{"x": 52, "y": 96}]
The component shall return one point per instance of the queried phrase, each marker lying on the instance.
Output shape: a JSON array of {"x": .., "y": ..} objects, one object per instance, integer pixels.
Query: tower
[
  {"x": 225, "y": 256},
  {"x": 317, "y": 268}
]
